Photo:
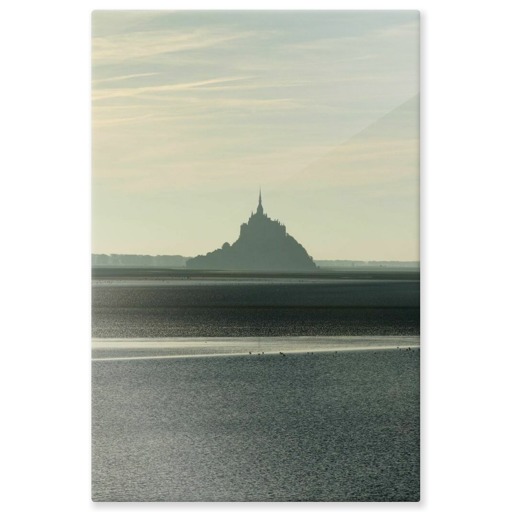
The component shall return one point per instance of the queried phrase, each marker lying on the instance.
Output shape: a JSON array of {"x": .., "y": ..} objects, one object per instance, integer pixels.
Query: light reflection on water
[
  {"x": 302, "y": 427},
  {"x": 272, "y": 309},
  {"x": 333, "y": 418}
]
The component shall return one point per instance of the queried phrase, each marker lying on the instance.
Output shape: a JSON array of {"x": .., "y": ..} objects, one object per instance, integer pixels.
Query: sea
[{"x": 255, "y": 390}]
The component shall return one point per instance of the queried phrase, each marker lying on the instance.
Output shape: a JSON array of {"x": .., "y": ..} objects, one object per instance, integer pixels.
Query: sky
[{"x": 194, "y": 111}]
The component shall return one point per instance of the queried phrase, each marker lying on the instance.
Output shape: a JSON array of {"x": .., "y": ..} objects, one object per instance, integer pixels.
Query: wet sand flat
[{"x": 147, "y": 348}]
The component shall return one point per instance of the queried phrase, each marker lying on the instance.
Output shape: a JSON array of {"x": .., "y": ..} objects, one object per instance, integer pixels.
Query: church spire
[{"x": 260, "y": 207}]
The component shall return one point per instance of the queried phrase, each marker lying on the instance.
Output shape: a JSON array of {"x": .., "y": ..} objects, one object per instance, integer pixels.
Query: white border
[{"x": 466, "y": 110}]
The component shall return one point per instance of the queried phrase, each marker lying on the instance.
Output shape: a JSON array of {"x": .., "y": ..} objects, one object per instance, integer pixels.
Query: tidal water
[
  {"x": 255, "y": 390},
  {"x": 317, "y": 426},
  {"x": 251, "y": 308}
]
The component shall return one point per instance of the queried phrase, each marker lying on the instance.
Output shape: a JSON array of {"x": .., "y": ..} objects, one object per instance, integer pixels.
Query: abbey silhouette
[{"x": 263, "y": 245}]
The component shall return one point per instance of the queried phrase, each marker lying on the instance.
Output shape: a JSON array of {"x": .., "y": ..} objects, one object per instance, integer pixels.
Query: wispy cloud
[
  {"x": 120, "y": 120},
  {"x": 102, "y": 94},
  {"x": 385, "y": 151},
  {"x": 142, "y": 45},
  {"x": 122, "y": 78},
  {"x": 367, "y": 40}
]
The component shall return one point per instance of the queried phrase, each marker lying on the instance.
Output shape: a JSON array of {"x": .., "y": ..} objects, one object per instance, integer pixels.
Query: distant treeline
[
  {"x": 140, "y": 260},
  {"x": 137, "y": 260},
  {"x": 366, "y": 264}
]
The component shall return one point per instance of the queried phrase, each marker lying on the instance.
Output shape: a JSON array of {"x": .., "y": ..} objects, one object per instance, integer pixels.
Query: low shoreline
[
  {"x": 149, "y": 274},
  {"x": 117, "y": 349},
  {"x": 238, "y": 354}
]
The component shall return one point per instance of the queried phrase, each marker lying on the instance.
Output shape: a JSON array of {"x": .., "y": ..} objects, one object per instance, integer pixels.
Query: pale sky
[{"x": 193, "y": 111}]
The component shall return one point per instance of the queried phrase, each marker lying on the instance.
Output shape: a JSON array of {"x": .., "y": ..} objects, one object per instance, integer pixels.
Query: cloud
[
  {"x": 106, "y": 23},
  {"x": 131, "y": 46},
  {"x": 121, "y": 78},
  {"x": 352, "y": 44},
  {"x": 385, "y": 151},
  {"x": 102, "y": 94}
]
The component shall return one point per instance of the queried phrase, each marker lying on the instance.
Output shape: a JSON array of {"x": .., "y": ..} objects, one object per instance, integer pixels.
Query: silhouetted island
[{"x": 263, "y": 244}]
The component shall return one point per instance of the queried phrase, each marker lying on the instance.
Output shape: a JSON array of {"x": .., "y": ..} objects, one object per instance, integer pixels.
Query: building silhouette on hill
[{"x": 263, "y": 245}]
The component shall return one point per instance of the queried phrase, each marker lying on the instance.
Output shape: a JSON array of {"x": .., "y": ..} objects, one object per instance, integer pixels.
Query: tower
[{"x": 259, "y": 211}]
